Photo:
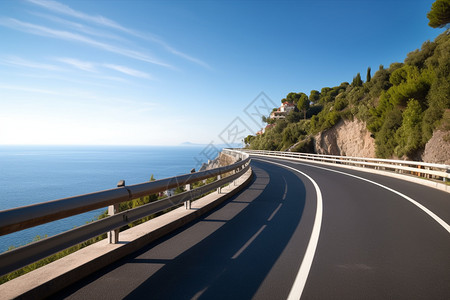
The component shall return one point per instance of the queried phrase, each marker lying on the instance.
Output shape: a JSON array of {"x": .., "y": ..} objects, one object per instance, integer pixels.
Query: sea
[{"x": 35, "y": 174}]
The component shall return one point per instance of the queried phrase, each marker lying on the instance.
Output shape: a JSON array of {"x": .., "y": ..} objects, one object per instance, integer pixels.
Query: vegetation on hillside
[{"x": 401, "y": 105}]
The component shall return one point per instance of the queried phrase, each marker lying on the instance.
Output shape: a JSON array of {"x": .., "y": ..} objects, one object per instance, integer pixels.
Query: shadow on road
[{"x": 226, "y": 254}]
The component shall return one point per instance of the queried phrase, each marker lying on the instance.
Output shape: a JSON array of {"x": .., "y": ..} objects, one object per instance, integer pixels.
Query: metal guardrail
[
  {"x": 20, "y": 218},
  {"x": 421, "y": 169}
]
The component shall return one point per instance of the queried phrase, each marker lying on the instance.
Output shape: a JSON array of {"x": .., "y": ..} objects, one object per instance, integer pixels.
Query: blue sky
[{"x": 166, "y": 72}]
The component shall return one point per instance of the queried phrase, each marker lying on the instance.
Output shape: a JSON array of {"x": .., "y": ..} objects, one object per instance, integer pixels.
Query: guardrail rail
[
  {"x": 20, "y": 218},
  {"x": 416, "y": 168}
]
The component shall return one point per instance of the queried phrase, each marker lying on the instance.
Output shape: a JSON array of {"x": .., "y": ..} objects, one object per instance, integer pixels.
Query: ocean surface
[{"x": 34, "y": 174}]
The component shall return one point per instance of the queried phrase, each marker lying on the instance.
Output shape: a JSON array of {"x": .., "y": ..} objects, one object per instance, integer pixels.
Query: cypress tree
[{"x": 369, "y": 77}]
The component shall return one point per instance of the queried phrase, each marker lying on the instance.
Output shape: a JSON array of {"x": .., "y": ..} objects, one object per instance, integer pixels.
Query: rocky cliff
[
  {"x": 222, "y": 160},
  {"x": 350, "y": 138},
  {"x": 437, "y": 150}
]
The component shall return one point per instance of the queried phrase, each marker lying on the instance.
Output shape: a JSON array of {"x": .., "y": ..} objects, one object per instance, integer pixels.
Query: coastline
[{"x": 53, "y": 172}]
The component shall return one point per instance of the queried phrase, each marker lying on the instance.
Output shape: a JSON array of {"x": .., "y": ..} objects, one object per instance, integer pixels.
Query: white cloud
[
  {"x": 91, "y": 67},
  {"x": 82, "y": 65},
  {"x": 74, "y": 37},
  {"x": 27, "y": 89},
  {"x": 66, "y": 10},
  {"x": 100, "y": 20},
  {"x": 128, "y": 71},
  {"x": 20, "y": 62},
  {"x": 80, "y": 27}
]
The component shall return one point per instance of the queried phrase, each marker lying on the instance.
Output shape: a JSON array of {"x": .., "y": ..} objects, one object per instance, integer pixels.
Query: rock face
[
  {"x": 437, "y": 150},
  {"x": 346, "y": 138},
  {"x": 220, "y": 161},
  {"x": 226, "y": 160}
]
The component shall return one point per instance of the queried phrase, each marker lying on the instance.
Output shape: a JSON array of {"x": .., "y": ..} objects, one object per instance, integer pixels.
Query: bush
[
  {"x": 409, "y": 135},
  {"x": 385, "y": 139},
  {"x": 305, "y": 146},
  {"x": 340, "y": 104}
]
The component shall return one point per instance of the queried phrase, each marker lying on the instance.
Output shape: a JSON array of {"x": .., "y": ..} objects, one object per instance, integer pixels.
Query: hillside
[{"x": 400, "y": 108}]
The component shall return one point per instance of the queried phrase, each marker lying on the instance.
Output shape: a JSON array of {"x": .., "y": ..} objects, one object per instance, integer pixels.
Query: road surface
[{"x": 298, "y": 230}]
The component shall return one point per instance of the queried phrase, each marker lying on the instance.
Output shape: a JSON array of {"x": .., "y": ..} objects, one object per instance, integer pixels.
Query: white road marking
[
  {"x": 248, "y": 242},
  {"x": 423, "y": 208},
  {"x": 274, "y": 212},
  {"x": 285, "y": 188},
  {"x": 303, "y": 272},
  {"x": 302, "y": 275}
]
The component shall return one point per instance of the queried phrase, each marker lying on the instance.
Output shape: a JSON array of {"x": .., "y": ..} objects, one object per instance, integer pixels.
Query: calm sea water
[{"x": 34, "y": 174}]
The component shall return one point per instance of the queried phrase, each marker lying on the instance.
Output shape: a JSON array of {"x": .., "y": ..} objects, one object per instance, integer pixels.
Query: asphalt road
[{"x": 372, "y": 243}]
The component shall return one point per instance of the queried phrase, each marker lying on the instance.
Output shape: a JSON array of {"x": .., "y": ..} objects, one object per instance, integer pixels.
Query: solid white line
[
  {"x": 248, "y": 242},
  {"x": 274, "y": 212},
  {"x": 303, "y": 272},
  {"x": 423, "y": 208}
]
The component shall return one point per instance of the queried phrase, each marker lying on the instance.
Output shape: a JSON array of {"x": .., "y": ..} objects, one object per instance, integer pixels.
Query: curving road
[{"x": 298, "y": 230}]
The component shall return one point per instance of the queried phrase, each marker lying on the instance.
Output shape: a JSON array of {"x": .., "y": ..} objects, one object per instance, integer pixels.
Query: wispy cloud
[
  {"x": 66, "y": 10},
  {"x": 82, "y": 65},
  {"x": 87, "y": 96},
  {"x": 93, "y": 67},
  {"x": 80, "y": 27},
  {"x": 100, "y": 20},
  {"x": 187, "y": 57},
  {"x": 20, "y": 62},
  {"x": 128, "y": 71},
  {"x": 100, "y": 80},
  {"x": 27, "y": 89},
  {"x": 74, "y": 37}
]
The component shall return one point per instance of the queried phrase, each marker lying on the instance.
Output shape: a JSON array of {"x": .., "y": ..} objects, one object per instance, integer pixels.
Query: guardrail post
[
  {"x": 219, "y": 188},
  {"x": 113, "y": 236},
  {"x": 187, "y": 203}
]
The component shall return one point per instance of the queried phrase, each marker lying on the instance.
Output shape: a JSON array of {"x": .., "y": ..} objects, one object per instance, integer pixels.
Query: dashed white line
[
  {"x": 303, "y": 272},
  {"x": 285, "y": 188},
  {"x": 274, "y": 212},
  {"x": 236, "y": 255}
]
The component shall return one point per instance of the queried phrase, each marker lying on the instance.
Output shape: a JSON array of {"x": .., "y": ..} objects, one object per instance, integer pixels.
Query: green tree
[
  {"x": 292, "y": 97},
  {"x": 314, "y": 96},
  {"x": 409, "y": 135},
  {"x": 293, "y": 117},
  {"x": 248, "y": 139},
  {"x": 439, "y": 14},
  {"x": 303, "y": 104},
  {"x": 368, "y": 77},
  {"x": 357, "y": 80},
  {"x": 385, "y": 139}
]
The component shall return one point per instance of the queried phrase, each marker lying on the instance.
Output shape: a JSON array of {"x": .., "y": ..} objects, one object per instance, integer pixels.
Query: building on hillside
[
  {"x": 278, "y": 114},
  {"x": 282, "y": 111},
  {"x": 287, "y": 107}
]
